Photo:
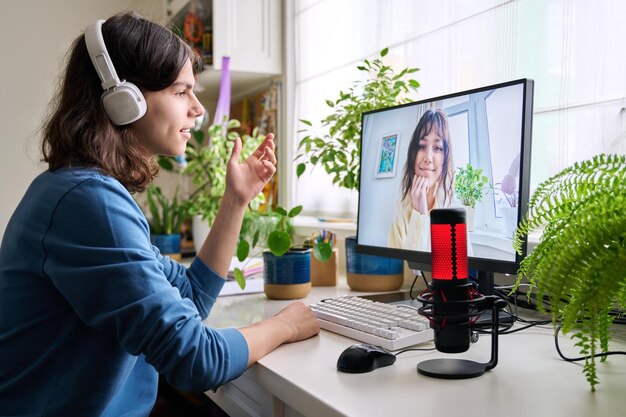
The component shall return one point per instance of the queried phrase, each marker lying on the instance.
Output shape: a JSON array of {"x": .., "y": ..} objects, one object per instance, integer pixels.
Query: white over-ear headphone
[{"x": 122, "y": 100}]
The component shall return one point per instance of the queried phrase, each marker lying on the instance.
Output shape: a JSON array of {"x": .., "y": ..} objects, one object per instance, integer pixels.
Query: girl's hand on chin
[{"x": 419, "y": 191}]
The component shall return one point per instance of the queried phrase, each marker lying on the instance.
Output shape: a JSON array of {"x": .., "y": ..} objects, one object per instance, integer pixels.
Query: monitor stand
[{"x": 486, "y": 287}]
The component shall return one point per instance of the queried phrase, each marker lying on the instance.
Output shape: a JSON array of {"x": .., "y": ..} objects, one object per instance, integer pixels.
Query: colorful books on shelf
[{"x": 252, "y": 269}]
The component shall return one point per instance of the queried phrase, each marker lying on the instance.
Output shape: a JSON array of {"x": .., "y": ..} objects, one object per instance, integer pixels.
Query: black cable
[
  {"x": 580, "y": 358},
  {"x": 424, "y": 278},
  {"x": 411, "y": 289},
  {"x": 532, "y": 324}
]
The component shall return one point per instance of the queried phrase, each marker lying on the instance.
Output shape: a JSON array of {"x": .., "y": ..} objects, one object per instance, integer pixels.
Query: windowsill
[{"x": 306, "y": 225}]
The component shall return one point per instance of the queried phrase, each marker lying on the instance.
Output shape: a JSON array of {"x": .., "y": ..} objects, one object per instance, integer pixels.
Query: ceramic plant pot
[
  {"x": 287, "y": 277},
  {"x": 372, "y": 273},
  {"x": 168, "y": 245}
]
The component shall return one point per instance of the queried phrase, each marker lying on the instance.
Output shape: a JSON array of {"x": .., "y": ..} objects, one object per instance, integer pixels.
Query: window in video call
[{"x": 411, "y": 154}]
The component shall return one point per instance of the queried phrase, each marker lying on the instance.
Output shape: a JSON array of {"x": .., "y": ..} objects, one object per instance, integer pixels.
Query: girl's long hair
[{"x": 431, "y": 119}]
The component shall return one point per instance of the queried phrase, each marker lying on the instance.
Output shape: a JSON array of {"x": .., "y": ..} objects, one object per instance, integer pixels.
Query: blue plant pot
[
  {"x": 167, "y": 244},
  {"x": 287, "y": 276},
  {"x": 370, "y": 272}
]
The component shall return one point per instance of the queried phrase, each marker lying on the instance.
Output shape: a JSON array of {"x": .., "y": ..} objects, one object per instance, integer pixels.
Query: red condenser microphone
[{"x": 450, "y": 286}]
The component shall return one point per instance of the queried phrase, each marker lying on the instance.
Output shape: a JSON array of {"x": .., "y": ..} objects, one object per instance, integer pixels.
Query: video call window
[{"x": 405, "y": 173}]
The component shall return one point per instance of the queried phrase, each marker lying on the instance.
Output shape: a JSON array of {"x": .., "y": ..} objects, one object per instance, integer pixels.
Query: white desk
[{"x": 301, "y": 378}]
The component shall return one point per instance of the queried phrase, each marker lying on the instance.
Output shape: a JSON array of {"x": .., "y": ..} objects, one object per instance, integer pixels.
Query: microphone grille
[{"x": 449, "y": 244}]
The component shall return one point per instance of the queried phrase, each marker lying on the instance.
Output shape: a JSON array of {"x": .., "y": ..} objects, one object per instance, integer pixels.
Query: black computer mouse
[{"x": 364, "y": 357}]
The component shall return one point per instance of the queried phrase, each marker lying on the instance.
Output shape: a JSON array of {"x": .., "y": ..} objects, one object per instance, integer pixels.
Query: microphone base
[{"x": 451, "y": 368}]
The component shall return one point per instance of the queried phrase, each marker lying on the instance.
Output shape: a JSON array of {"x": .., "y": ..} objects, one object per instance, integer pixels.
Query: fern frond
[{"x": 580, "y": 262}]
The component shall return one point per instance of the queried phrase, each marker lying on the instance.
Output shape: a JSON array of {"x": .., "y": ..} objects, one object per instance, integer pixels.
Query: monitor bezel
[{"x": 422, "y": 260}]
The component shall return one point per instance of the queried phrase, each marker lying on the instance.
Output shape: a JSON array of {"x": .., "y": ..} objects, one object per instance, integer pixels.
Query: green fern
[{"x": 580, "y": 262}]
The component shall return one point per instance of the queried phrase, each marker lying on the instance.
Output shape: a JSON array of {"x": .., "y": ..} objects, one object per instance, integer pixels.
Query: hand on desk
[
  {"x": 300, "y": 319},
  {"x": 293, "y": 323}
]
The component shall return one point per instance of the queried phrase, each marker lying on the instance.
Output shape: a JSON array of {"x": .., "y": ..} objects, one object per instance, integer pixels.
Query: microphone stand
[{"x": 451, "y": 368}]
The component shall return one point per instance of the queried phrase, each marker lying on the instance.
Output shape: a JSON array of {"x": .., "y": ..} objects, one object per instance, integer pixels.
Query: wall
[{"x": 34, "y": 36}]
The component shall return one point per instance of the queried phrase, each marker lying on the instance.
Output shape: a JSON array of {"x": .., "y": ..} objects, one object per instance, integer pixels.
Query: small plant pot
[
  {"x": 372, "y": 273},
  {"x": 287, "y": 277},
  {"x": 324, "y": 274},
  {"x": 199, "y": 231},
  {"x": 470, "y": 218},
  {"x": 168, "y": 245},
  {"x": 509, "y": 220}
]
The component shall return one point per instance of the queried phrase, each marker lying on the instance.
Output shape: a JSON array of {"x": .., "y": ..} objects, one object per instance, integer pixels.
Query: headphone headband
[
  {"x": 100, "y": 56},
  {"x": 123, "y": 101}
]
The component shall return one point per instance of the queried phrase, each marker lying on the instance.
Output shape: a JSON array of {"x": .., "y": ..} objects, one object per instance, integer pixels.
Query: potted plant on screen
[
  {"x": 470, "y": 186},
  {"x": 578, "y": 269},
  {"x": 338, "y": 152},
  {"x": 166, "y": 219}
]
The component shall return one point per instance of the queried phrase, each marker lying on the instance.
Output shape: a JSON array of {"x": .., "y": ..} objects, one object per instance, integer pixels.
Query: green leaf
[
  {"x": 306, "y": 122},
  {"x": 384, "y": 52},
  {"x": 198, "y": 136},
  {"x": 322, "y": 251},
  {"x": 300, "y": 169},
  {"x": 166, "y": 163},
  {"x": 240, "y": 278},
  {"x": 279, "y": 242},
  {"x": 295, "y": 211},
  {"x": 243, "y": 249},
  {"x": 330, "y": 103},
  {"x": 281, "y": 211}
]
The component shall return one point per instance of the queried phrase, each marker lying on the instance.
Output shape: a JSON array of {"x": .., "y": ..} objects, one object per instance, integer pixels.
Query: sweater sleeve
[
  {"x": 99, "y": 257},
  {"x": 199, "y": 282}
]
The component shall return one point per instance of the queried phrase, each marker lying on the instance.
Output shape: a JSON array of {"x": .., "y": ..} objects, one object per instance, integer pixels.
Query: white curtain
[{"x": 572, "y": 49}]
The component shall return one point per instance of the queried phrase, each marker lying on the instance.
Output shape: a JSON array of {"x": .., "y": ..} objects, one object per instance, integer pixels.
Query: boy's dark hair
[{"x": 77, "y": 131}]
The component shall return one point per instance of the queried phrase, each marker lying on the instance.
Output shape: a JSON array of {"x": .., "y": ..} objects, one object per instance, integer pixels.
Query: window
[{"x": 573, "y": 51}]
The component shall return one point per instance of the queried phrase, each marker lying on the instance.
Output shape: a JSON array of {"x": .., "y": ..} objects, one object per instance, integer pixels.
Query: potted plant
[
  {"x": 469, "y": 186},
  {"x": 579, "y": 265},
  {"x": 338, "y": 152},
  {"x": 166, "y": 219},
  {"x": 286, "y": 267},
  {"x": 205, "y": 163}
]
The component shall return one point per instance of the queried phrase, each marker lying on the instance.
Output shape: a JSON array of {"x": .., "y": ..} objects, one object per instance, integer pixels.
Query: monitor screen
[{"x": 412, "y": 160}]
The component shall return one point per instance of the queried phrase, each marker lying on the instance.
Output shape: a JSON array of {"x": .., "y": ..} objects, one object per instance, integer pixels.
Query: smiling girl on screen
[
  {"x": 428, "y": 182},
  {"x": 90, "y": 312}
]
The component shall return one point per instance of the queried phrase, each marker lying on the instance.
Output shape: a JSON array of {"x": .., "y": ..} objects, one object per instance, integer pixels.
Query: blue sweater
[{"x": 90, "y": 311}]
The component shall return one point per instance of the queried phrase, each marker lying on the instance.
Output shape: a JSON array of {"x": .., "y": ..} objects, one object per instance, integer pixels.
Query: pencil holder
[{"x": 324, "y": 274}]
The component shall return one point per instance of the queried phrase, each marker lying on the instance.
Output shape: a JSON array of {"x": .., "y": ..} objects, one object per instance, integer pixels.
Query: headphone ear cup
[{"x": 124, "y": 103}]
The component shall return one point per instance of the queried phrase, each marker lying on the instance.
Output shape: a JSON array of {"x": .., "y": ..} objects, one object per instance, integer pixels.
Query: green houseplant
[
  {"x": 579, "y": 265},
  {"x": 206, "y": 158},
  {"x": 206, "y": 165},
  {"x": 166, "y": 219},
  {"x": 338, "y": 151},
  {"x": 470, "y": 185},
  {"x": 286, "y": 266}
]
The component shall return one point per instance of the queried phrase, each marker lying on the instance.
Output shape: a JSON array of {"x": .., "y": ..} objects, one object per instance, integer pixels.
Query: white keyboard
[{"x": 391, "y": 326}]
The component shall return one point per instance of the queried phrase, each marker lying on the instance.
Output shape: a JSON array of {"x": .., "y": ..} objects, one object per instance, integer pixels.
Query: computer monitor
[{"x": 411, "y": 155}]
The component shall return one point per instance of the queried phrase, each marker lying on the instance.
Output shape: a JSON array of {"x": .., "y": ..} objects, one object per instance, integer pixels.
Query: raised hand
[{"x": 245, "y": 180}]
